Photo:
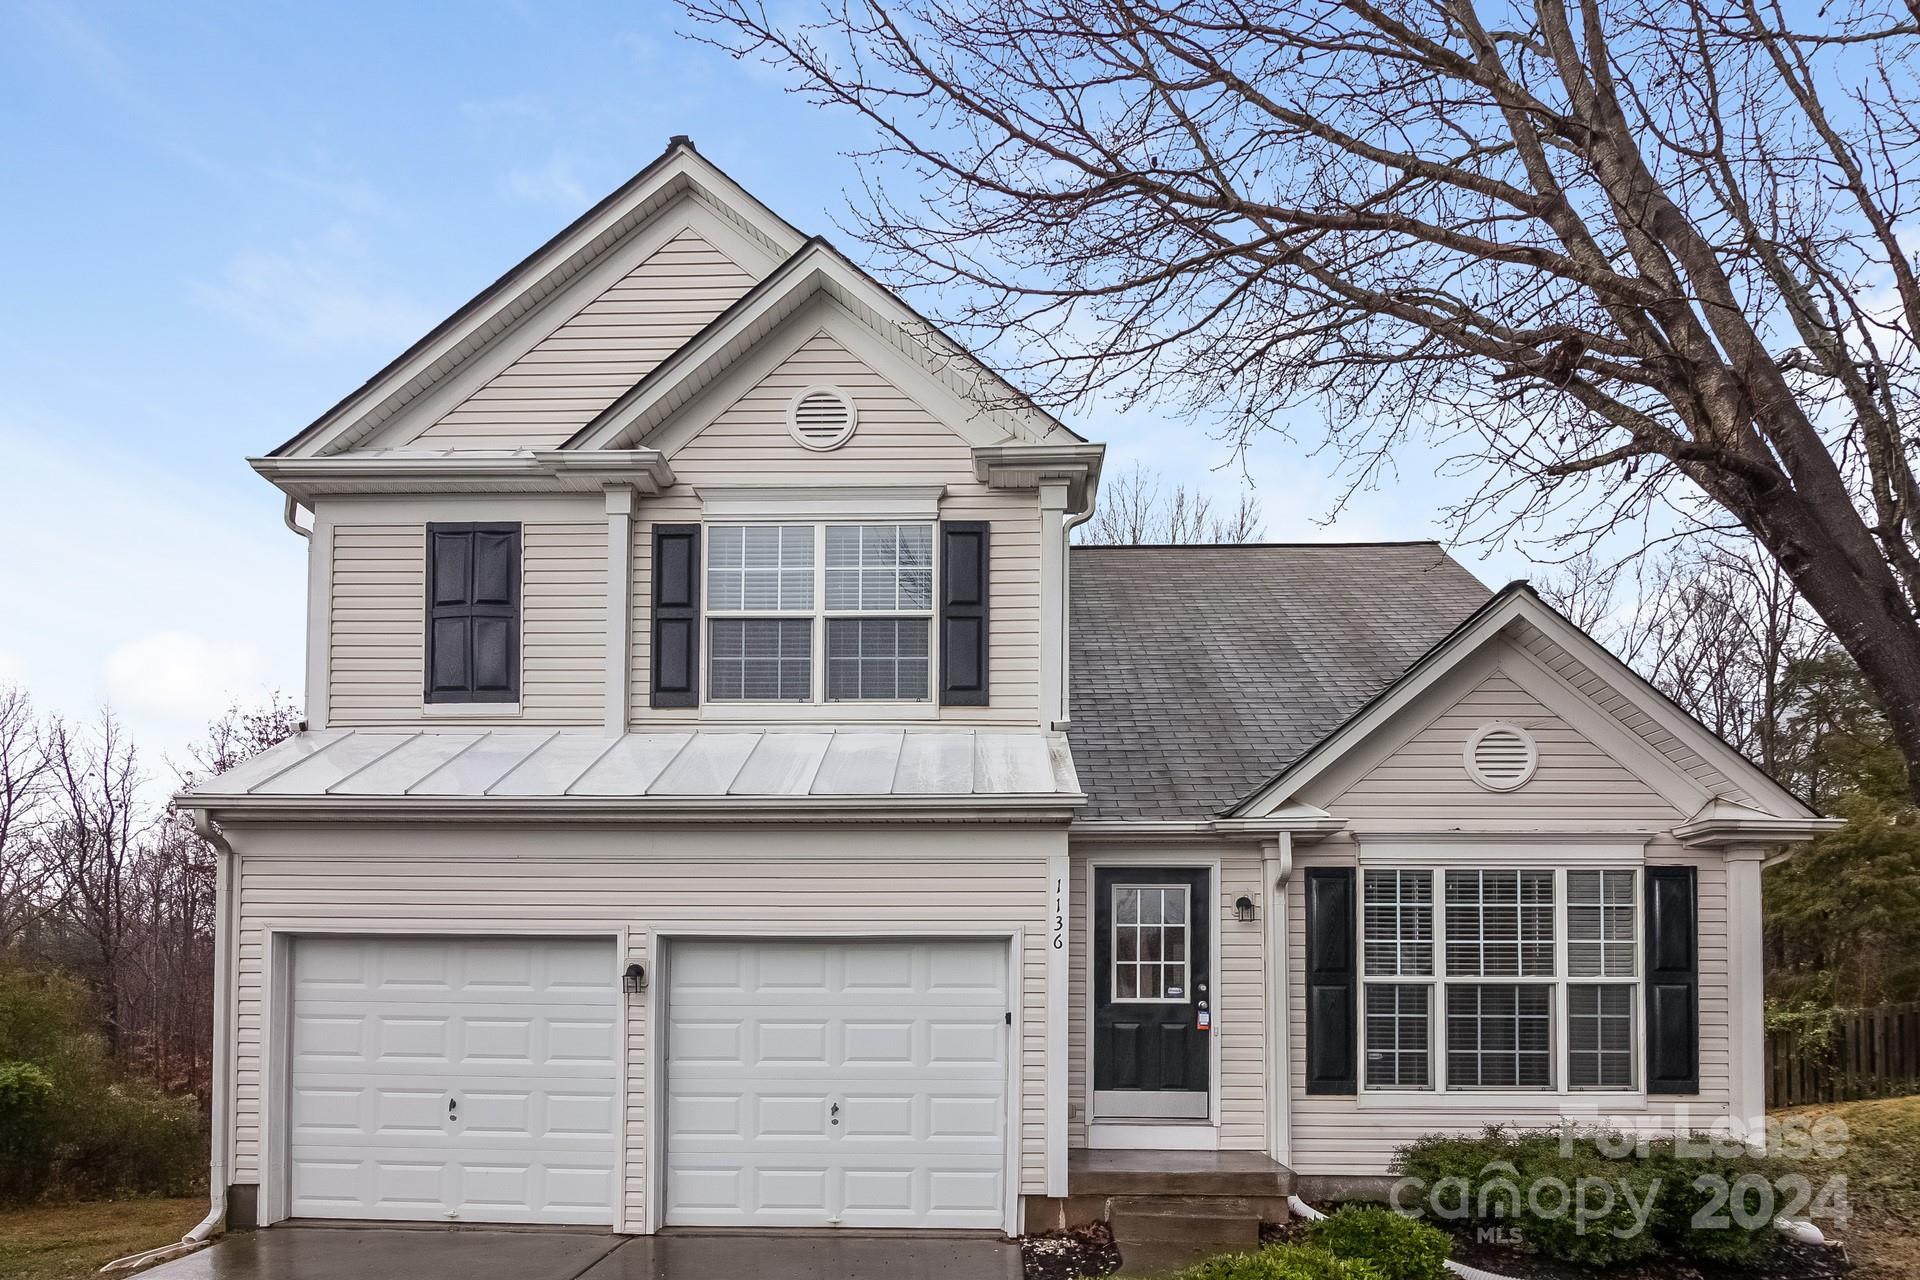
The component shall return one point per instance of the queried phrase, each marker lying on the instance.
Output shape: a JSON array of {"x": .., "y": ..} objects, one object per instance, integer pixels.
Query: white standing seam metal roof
[{"x": 870, "y": 764}]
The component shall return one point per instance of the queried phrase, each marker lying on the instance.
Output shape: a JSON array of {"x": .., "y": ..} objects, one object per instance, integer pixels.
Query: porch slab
[{"x": 1092, "y": 1172}]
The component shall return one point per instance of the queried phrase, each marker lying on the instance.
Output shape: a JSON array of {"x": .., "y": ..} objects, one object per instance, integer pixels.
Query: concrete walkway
[{"x": 471, "y": 1253}]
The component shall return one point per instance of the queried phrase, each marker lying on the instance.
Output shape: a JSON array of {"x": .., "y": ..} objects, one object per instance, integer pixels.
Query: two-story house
[{"x": 727, "y": 800}]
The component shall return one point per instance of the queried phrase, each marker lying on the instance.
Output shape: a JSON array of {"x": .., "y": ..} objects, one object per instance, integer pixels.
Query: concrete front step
[
  {"x": 1162, "y": 1233},
  {"x": 1160, "y": 1258}
]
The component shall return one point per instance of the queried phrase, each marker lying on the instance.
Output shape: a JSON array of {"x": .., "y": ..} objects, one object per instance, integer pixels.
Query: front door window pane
[{"x": 1150, "y": 943}]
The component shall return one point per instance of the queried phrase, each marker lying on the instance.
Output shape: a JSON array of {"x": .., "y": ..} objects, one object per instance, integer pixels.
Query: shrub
[
  {"x": 67, "y": 1125},
  {"x": 1588, "y": 1210},
  {"x": 1280, "y": 1262},
  {"x": 1516, "y": 1177},
  {"x": 1694, "y": 1221},
  {"x": 1396, "y": 1246},
  {"x": 1476, "y": 1179}
]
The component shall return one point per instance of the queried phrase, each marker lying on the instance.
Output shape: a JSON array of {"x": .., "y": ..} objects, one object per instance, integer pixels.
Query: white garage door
[
  {"x": 856, "y": 1084},
  {"x": 468, "y": 1080}
]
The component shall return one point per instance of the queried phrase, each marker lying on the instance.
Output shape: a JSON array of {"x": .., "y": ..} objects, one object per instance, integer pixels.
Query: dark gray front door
[{"x": 1152, "y": 992}]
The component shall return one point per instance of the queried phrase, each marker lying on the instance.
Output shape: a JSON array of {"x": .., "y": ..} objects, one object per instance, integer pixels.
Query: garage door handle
[
  {"x": 833, "y": 1113},
  {"x": 452, "y": 1105}
]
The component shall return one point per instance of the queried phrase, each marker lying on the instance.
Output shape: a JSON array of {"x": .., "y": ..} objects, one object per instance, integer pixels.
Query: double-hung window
[
  {"x": 819, "y": 612},
  {"x": 1518, "y": 979}
]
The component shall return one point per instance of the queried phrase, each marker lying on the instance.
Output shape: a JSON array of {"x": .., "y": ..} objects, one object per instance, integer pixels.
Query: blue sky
[{"x": 218, "y": 219}]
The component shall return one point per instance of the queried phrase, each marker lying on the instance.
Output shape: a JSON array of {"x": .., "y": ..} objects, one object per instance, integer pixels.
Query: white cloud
[
  {"x": 178, "y": 675},
  {"x": 309, "y": 303},
  {"x": 163, "y": 593}
]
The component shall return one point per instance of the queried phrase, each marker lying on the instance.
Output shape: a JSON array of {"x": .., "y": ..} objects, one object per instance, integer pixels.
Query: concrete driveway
[{"x": 469, "y": 1253}]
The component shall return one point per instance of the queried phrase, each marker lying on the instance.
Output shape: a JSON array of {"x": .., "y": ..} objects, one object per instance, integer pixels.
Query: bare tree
[
  {"x": 1135, "y": 507},
  {"x": 1624, "y": 257},
  {"x": 24, "y": 874},
  {"x": 91, "y": 843},
  {"x": 1712, "y": 623}
]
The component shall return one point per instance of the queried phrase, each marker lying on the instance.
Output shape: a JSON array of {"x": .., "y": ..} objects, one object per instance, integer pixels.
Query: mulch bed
[
  {"x": 1790, "y": 1260},
  {"x": 1065, "y": 1255}
]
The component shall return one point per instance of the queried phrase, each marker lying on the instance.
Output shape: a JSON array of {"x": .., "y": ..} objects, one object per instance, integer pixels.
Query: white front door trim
[{"x": 1183, "y": 1135}]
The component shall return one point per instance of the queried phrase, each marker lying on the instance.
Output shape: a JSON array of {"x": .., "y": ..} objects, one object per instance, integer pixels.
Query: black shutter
[
  {"x": 1673, "y": 981},
  {"x": 963, "y": 613},
  {"x": 676, "y": 615},
  {"x": 473, "y": 613},
  {"x": 1332, "y": 979}
]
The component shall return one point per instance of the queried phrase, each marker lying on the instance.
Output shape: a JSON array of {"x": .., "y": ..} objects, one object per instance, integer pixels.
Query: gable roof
[
  {"x": 1218, "y": 681},
  {"x": 792, "y": 271},
  {"x": 1198, "y": 672},
  {"x": 677, "y": 171},
  {"x": 816, "y": 270},
  {"x": 1515, "y": 604}
]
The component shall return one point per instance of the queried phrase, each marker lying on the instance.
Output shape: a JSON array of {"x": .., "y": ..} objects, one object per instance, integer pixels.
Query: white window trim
[
  {"x": 1186, "y": 952},
  {"x": 1561, "y": 1097},
  {"x": 817, "y": 618}
]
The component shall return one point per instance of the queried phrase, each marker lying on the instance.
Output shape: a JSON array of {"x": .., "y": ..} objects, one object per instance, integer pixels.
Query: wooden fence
[{"x": 1875, "y": 1054}]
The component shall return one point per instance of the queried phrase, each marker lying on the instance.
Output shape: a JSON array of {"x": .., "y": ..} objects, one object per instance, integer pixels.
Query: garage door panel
[
  {"x": 387, "y": 1032},
  {"x": 908, "y": 1038}
]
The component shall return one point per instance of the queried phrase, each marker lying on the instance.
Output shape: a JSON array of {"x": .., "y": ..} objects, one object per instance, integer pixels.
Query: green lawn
[
  {"x": 1882, "y": 1168},
  {"x": 66, "y": 1242}
]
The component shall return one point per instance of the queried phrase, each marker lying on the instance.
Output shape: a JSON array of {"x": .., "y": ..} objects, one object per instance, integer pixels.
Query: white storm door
[
  {"x": 454, "y": 1079},
  {"x": 854, "y": 1084}
]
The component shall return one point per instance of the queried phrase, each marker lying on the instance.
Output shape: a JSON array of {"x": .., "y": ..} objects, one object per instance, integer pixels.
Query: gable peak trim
[{"x": 679, "y": 171}]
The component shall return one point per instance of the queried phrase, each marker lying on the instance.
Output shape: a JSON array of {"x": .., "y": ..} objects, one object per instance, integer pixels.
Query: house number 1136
[{"x": 1059, "y": 913}]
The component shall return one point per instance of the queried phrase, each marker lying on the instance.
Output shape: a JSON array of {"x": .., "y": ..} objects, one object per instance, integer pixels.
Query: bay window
[
  {"x": 804, "y": 613},
  {"x": 1517, "y": 979}
]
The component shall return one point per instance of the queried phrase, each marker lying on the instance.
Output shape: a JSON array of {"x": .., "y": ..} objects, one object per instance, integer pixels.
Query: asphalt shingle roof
[{"x": 1199, "y": 672}]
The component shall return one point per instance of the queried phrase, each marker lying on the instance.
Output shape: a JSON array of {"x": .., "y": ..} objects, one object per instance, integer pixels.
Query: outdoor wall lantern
[
  {"x": 1243, "y": 909},
  {"x": 636, "y": 979}
]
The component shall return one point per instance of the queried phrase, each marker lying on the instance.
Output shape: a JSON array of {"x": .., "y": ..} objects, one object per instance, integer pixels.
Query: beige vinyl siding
[
  {"x": 377, "y": 621},
  {"x": 897, "y": 443},
  {"x": 768, "y": 882},
  {"x": 572, "y": 374},
  {"x": 1239, "y": 1003},
  {"x": 1426, "y": 778},
  {"x": 1342, "y": 1136}
]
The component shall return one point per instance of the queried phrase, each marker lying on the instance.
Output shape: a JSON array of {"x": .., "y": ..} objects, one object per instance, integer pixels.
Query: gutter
[{"x": 216, "y": 1218}]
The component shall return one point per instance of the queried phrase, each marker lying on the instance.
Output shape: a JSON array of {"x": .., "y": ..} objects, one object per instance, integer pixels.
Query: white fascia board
[
  {"x": 538, "y": 471},
  {"x": 680, "y": 172},
  {"x": 814, "y": 271},
  {"x": 799, "y": 502},
  {"x": 1301, "y": 822},
  {"x": 1436, "y": 665}
]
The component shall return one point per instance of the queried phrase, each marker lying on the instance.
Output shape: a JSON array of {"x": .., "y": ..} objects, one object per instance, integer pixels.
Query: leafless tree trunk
[
  {"x": 24, "y": 874},
  {"x": 1626, "y": 257},
  {"x": 90, "y": 842},
  {"x": 1136, "y": 508}
]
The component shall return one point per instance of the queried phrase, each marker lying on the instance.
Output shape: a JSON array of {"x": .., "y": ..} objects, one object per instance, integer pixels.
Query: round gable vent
[
  {"x": 1501, "y": 757},
  {"x": 821, "y": 417}
]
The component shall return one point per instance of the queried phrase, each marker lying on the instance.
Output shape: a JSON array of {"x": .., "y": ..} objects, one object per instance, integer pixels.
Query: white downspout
[{"x": 222, "y": 1072}]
